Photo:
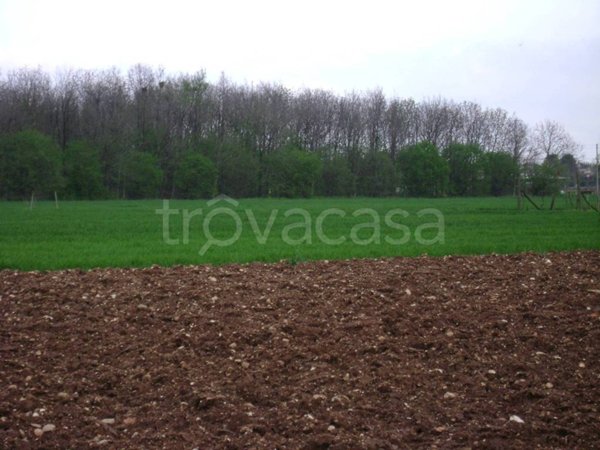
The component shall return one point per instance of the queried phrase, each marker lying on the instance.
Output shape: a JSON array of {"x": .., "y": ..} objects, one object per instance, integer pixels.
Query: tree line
[{"x": 146, "y": 133}]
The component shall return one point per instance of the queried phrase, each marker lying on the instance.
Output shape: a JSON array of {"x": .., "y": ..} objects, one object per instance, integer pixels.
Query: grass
[{"x": 130, "y": 233}]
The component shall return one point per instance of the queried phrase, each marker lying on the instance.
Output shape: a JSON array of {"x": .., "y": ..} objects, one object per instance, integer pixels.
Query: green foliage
[
  {"x": 336, "y": 178},
  {"x": 238, "y": 171},
  {"x": 296, "y": 259},
  {"x": 193, "y": 87},
  {"x": 195, "y": 177},
  {"x": 568, "y": 168},
  {"x": 467, "y": 166},
  {"x": 293, "y": 173},
  {"x": 544, "y": 179},
  {"x": 501, "y": 170},
  {"x": 423, "y": 172},
  {"x": 142, "y": 177},
  {"x": 30, "y": 162},
  {"x": 82, "y": 171},
  {"x": 377, "y": 175}
]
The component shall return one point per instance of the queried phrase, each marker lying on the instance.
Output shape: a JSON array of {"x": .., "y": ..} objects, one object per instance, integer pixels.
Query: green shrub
[
  {"x": 293, "y": 173},
  {"x": 195, "y": 177},
  {"x": 142, "y": 177},
  {"x": 30, "y": 164}
]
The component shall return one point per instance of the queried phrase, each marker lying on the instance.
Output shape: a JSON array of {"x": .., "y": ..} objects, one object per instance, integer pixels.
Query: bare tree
[
  {"x": 549, "y": 138},
  {"x": 434, "y": 121},
  {"x": 66, "y": 90},
  {"x": 105, "y": 119},
  {"x": 473, "y": 120},
  {"x": 402, "y": 125},
  {"x": 351, "y": 126},
  {"x": 494, "y": 130},
  {"x": 375, "y": 107},
  {"x": 516, "y": 140},
  {"x": 312, "y": 118},
  {"x": 27, "y": 101}
]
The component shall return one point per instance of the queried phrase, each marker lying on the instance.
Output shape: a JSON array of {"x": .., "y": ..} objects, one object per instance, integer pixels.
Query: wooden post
[
  {"x": 518, "y": 189},
  {"x": 578, "y": 187},
  {"x": 55, "y": 200},
  {"x": 597, "y": 181}
]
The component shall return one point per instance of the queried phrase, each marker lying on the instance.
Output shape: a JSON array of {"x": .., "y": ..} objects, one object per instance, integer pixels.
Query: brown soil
[{"x": 390, "y": 353}]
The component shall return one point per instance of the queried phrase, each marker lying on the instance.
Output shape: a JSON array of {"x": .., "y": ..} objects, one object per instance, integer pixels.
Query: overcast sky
[{"x": 538, "y": 59}]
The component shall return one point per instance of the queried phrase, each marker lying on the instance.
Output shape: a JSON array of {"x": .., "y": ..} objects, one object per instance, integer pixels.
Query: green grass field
[{"x": 130, "y": 233}]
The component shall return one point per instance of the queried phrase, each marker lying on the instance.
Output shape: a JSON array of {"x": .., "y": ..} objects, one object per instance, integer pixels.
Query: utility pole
[{"x": 597, "y": 181}]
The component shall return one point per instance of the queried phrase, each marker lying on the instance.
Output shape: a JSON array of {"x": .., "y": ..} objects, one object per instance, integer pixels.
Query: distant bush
[
  {"x": 142, "y": 177},
  {"x": 501, "y": 171},
  {"x": 238, "y": 172},
  {"x": 467, "y": 169},
  {"x": 30, "y": 163},
  {"x": 376, "y": 175},
  {"x": 544, "y": 179},
  {"x": 83, "y": 175},
  {"x": 336, "y": 178},
  {"x": 293, "y": 173},
  {"x": 195, "y": 177},
  {"x": 423, "y": 172}
]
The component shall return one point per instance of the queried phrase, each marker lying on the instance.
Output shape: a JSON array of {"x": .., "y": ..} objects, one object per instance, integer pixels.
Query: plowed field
[{"x": 480, "y": 352}]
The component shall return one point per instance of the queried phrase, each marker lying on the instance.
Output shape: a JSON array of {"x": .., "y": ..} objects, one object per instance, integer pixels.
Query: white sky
[{"x": 539, "y": 59}]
